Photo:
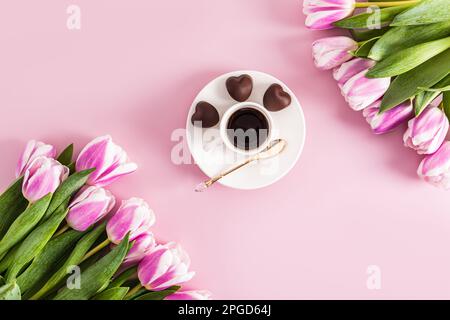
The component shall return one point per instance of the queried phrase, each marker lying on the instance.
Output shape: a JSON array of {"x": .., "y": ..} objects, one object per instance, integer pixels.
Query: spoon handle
[
  {"x": 205, "y": 185},
  {"x": 275, "y": 148}
]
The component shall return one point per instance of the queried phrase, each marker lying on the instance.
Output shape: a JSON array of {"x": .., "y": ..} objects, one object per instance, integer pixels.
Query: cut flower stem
[
  {"x": 96, "y": 249},
  {"x": 133, "y": 291},
  {"x": 126, "y": 275},
  {"x": 61, "y": 231},
  {"x": 385, "y": 4}
]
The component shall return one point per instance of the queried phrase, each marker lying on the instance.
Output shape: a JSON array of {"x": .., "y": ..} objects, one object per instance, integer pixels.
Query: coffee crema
[{"x": 247, "y": 128}]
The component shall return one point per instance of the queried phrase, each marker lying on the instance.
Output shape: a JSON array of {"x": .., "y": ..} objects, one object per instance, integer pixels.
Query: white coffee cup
[{"x": 226, "y": 135}]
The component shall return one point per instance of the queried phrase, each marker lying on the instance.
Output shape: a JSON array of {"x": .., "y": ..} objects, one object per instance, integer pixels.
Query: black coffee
[{"x": 247, "y": 128}]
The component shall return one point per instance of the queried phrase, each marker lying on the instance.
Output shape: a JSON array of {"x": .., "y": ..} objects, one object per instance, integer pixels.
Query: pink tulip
[
  {"x": 134, "y": 216},
  {"x": 426, "y": 132},
  {"x": 110, "y": 160},
  {"x": 43, "y": 176},
  {"x": 388, "y": 120},
  {"x": 34, "y": 149},
  {"x": 331, "y": 52},
  {"x": 360, "y": 92},
  {"x": 165, "y": 266},
  {"x": 190, "y": 295},
  {"x": 321, "y": 14},
  {"x": 348, "y": 69},
  {"x": 435, "y": 168},
  {"x": 142, "y": 245},
  {"x": 89, "y": 206}
]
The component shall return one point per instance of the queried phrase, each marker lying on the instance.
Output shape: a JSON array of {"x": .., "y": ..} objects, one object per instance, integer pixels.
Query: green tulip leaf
[
  {"x": 399, "y": 38},
  {"x": 364, "y": 48},
  {"x": 10, "y": 291},
  {"x": 95, "y": 277},
  {"x": 407, "y": 59},
  {"x": 446, "y": 103},
  {"x": 12, "y": 204},
  {"x": 367, "y": 34},
  {"x": 406, "y": 85},
  {"x": 123, "y": 277},
  {"x": 422, "y": 100},
  {"x": 425, "y": 97},
  {"x": 71, "y": 167},
  {"x": 75, "y": 258},
  {"x": 117, "y": 293},
  {"x": 36, "y": 241},
  {"x": 71, "y": 185},
  {"x": 366, "y": 20},
  {"x": 43, "y": 265},
  {"x": 8, "y": 259},
  {"x": 158, "y": 295},
  {"x": 440, "y": 89},
  {"x": 65, "y": 157},
  {"x": 24, "y": 223},
  {"x": 441, "y": 86},
  {"x": 425, "y": 12}
]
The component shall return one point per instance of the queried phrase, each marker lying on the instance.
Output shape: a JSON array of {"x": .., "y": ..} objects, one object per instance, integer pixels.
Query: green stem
[
  {"x": 133, "y": 291},
  {"x": 3, "y": 255},
  {"x": 38, "y": 295},
  {"x": 8, "y": 259},
  {"x": 385, "y": 4},
  {"x": 126, "y": 275},
  {"x": 61, "y": 231},
  {"x": 96, "y": 249}
]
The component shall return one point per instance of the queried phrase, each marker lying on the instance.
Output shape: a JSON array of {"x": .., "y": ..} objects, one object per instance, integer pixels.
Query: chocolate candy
[
  {"x": 240, "y": 88},
  {"x": 206, "y": 114},
  {"x": 276, "y": 99}
]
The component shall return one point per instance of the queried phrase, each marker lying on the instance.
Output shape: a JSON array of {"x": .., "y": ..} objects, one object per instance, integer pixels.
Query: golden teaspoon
[{"x": 275, "y": 148}]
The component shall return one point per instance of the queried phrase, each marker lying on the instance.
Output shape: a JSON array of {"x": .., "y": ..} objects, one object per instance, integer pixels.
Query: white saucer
[{"x": 210, "y": 153}]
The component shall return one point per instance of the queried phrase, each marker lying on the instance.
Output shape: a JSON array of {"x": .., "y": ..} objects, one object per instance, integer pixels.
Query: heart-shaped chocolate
[
  {"x": 240, "y": 88},
  {"x": 206, "y": 114},
  {"x": 276, "y": 99}
]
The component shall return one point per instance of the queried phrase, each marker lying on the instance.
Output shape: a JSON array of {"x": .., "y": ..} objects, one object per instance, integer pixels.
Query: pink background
[{"x": 132, "y": 71}]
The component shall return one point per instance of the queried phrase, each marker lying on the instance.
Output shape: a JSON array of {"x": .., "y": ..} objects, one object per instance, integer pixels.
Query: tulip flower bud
[
  {"x": 426, "y": 132},
  {"x": 89, "y": 206},
  {"x": 360, "y": 92},
  {"x": 110, "y": 161},
  {"x": 331, "y": 52},
  {"x": 321, "y": 14},
  {"x": 134, "y": 216},
  {"x": 388, "y": 120},
  {"x": 165, "y": 266},
  {"x": 34, "y": 149},
  {"x": 348, "y": 69},
  {"x": 190, "y": 295},
  {"x": 43, "y": 176},
  {"x": 142, "y": 245},
  {"x": 435, "y": 168}
]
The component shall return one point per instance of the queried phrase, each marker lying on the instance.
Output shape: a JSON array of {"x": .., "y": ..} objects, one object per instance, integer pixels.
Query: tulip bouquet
[
  {"x": 59, "y": 239},
  {"x": 394, "y": 67}
]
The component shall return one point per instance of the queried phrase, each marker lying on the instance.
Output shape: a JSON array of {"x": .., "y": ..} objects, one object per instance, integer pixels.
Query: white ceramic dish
[{"x": 213, "y": 156}]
